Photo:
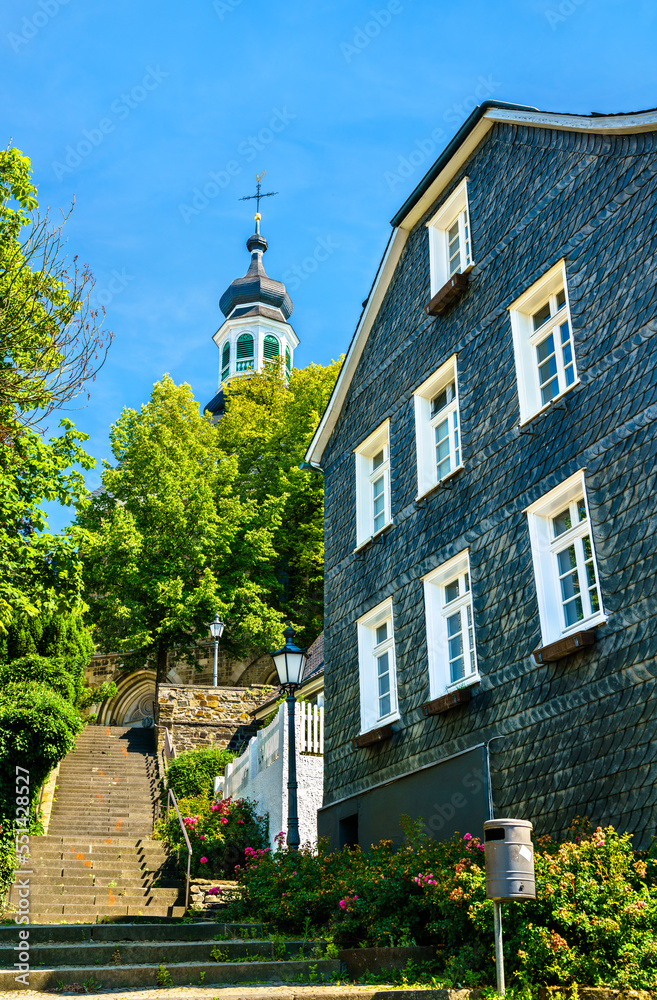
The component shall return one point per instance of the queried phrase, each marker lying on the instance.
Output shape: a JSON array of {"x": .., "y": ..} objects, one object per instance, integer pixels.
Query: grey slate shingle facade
[{"x": 577, "y": 736}]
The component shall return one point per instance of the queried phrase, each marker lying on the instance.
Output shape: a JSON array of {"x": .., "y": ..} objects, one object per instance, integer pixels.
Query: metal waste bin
[{"x": 509, "y": 855}]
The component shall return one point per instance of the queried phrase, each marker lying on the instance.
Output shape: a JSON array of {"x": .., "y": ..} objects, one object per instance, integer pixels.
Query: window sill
[
  {"x": 552, "y": 402},
  {"x": 373, "y": 736},
  {"x": 451, "y": 292},
  {"x": 373, "y": 539},
  {"x": 421, "y": 497},
  {"x": 456, "y": 694},
  {"x": 566, "y": 646}
]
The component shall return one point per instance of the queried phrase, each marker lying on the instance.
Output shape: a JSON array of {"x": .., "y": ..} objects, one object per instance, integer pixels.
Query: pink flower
[
  {"x": 241, "y": 821},
  {"x": 294, "y": 873},
  {"x": 203, "y": 860},
  {"x": 467, "y": 836},
  {"x": 202, "y": 836},
  {"x": 214, "y": 891}
]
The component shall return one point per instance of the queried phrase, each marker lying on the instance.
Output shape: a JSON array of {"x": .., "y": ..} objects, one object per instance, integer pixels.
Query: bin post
[{"x": 499, "y": 948}]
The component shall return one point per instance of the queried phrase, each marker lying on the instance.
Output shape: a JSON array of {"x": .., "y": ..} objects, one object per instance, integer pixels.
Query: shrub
[
  {"x": 37, "y": 729},
  {"x": 33, "y": 667},
  {"x": 594, "y": 920},
  {"x": 193, "y": 772},
  {"x": 223, "y": 833}
]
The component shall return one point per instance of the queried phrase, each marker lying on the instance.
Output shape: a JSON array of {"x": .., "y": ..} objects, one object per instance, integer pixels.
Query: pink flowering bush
[
  {"x": 594, "y": 921},
  {"x": 220, "y": 832}
]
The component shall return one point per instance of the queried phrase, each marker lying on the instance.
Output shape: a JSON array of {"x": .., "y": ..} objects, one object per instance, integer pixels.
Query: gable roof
[{"x": 471, "y": 133}]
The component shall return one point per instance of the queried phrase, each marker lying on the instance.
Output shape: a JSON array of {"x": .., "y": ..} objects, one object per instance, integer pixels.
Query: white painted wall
[{"x": 261, "y": 773}]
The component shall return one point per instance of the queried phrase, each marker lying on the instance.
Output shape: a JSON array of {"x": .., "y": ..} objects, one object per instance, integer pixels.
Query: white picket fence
[{"x": 312, "y": 729}]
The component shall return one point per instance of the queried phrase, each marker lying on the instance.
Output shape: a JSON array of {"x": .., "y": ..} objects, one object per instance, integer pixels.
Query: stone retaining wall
[{"x": 199, "y": 716}]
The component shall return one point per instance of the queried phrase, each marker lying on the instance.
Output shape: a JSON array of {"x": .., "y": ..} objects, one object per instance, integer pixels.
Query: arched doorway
[{"x": 134, "y": 700}]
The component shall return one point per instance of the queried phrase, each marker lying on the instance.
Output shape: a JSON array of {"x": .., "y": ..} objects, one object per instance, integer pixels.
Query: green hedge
[
  {"x": 37, "y": 729},
  {"x": 193, "y": 772},
  {"x": 47, "y": 670},
  {"x": 593, "y": 923}
]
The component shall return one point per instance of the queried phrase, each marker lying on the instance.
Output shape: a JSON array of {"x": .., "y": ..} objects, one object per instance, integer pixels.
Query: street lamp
[
  {"x": 216, "y": 631},
  {"x": 290, "y": 662}
]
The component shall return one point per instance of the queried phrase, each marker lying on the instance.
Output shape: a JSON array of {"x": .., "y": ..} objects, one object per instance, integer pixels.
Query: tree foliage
[
  {"x": 193, "y": 772},
  {"x": 171, "y": 542},
  {"x": 51, "y": 342},
  {"x": 63, "y": 636},
  {"x": 268, "y": 425},
  {"x": 40, "y": 573},
  {"x": 37, "y": 729}
]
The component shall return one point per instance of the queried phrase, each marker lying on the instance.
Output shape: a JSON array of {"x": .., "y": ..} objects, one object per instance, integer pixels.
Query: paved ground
[{"x": 260, "y": 992}]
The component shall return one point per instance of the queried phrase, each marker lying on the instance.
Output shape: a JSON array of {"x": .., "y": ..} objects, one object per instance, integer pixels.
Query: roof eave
[{"x": 482, "y": 120}]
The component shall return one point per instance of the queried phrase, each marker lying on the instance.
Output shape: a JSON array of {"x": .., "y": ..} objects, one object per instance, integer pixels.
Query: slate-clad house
[{"x": 489, "y": 460}]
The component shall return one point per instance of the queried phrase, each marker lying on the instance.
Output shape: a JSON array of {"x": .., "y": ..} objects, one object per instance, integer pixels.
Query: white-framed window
[
  {"x": 225, "y": 361},
  {"x": 450, "y": 240},
  {"x": 437, "y": 428},
  {"x": 373, "y": 484},
  {"x": 565, "y": 569},
  {"x": 543, "y": 342},
  {"x": 450, "y": 626},
  {"x": 376, "y": 658}
]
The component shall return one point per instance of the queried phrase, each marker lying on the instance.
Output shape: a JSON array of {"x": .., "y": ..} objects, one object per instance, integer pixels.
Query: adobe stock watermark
[
  {"x": 294, "y": 275},
  {"x": 120, "y": 108},
  {"x": 556, "y": 15},
  {"x": 102, "y": 295},
  {"x": 363, "y": 36},
  {"x": 223, "y": 7},
  {"x": 425, "y": 149},
  {"x": 22, "y": 883},
  {"x": 32, "y": 25},
  {"x": 445, "y": 812},
  {"x": 246, "y": 152}
]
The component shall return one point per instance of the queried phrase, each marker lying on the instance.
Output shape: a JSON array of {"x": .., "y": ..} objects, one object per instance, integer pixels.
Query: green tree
[
  {"x": 61, "y": 635},
  {"x": 50, "y": 344},
  {"x": 268, "y": 425},
  {"x": 40, "y": 573},
  {"x": 171, "y": 541},
  {"x": 50, "y": 339}
]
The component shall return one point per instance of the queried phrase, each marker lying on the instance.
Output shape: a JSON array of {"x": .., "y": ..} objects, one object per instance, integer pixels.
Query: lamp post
[
  {"x": 216, "y": 631},
  {"x": 290, "y": 662}
]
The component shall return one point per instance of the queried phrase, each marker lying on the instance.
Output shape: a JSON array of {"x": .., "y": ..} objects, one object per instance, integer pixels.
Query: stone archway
[{"x": 134, "y": 700}]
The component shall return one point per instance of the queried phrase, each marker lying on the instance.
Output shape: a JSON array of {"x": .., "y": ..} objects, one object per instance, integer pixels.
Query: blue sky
[{"x": 134, "y": 108}]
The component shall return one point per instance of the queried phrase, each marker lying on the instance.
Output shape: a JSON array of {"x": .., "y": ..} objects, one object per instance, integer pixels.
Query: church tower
[{"x": 256, "y": 328}]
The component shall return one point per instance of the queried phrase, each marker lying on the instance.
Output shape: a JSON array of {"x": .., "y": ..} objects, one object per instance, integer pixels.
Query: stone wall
[
  {"x": 199, "y": 716},
  {"x": 136, "y": 688}
]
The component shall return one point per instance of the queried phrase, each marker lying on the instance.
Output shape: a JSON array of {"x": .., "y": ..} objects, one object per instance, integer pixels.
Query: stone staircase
[
  {"x": 110, "y": 956},
  {"x": 98, "y": 859}
]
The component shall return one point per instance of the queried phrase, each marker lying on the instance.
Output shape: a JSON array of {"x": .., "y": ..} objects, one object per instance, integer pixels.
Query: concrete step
[
  {"x": 206, "y": 930},
  {"x": 71, "y": 882},
  {"x": 89, "y": 911},
  {"x": 95, "y": 896},
  {"x": 100, "y": 850},
  {"x": 185, "y": 973},
  {"x": 90, "y": 953},
  {"x": 70, "y": 840}
]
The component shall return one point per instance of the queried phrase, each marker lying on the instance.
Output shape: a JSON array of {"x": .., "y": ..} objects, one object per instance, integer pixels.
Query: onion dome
[{"x": 256, "y": 294}]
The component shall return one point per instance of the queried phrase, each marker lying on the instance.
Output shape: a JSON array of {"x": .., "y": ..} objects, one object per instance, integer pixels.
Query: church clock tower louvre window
[
  {"x": 225, "y": 362},
  {"x": 288, "y": 361},
  {"x": 245, "y": 353},
  {"x": 271, "y": 348}
]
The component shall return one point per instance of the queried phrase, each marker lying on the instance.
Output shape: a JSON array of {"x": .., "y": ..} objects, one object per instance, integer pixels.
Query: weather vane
[{"x": 258, "y": 195}]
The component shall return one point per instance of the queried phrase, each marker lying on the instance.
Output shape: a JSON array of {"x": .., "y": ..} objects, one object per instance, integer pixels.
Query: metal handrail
[{"x": 171, "y": 797}]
